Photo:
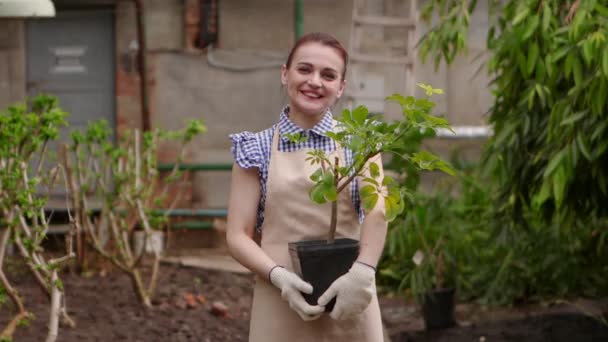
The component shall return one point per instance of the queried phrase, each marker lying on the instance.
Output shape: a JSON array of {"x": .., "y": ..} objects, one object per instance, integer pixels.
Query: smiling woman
[
  {"x": 269, "y": 198},
  {"x": 314, "y": 82}
]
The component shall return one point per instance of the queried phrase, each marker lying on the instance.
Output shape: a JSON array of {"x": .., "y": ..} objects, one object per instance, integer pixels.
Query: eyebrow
[{"x": 310, "y": 65}]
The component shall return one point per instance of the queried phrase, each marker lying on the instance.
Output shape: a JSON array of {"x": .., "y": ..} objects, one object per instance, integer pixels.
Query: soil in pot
[
  {"x": 320, "y": 264},
  {"x": 438, "y": 309}
]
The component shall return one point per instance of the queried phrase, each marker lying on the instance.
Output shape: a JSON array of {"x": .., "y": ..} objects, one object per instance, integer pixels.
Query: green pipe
[
  {"x": 299, "y": 19},
  {"x": 193, "y": 225},
  {"x": 197, "y": 167},
  {"x": 192, "y": 212}
]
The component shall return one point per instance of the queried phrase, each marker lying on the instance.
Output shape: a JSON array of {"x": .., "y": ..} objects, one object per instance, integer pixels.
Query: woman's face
[{"x": 314, "y": 79}]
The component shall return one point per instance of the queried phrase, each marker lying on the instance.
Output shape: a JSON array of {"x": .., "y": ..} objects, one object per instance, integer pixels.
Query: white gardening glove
[
  {"x": 353, "y": 291},
  {"x": 291, "y": 285}
]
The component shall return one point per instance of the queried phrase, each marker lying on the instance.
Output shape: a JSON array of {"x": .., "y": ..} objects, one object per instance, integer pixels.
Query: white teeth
[{"x": 316, "y": 96}]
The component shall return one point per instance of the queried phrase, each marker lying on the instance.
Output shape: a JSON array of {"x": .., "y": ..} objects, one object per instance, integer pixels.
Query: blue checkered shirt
[{"x": 253, "y": 150}]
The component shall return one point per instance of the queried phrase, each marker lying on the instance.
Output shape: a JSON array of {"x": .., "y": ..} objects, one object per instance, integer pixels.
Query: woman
[{"x": 269, "y": 196}]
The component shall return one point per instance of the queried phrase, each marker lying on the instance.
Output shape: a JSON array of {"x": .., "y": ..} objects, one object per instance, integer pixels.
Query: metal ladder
[{"x": 369, "y": 16}]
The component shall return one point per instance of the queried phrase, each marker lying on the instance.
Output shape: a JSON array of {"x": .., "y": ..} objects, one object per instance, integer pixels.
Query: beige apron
[{"x": 291, "y": 216}]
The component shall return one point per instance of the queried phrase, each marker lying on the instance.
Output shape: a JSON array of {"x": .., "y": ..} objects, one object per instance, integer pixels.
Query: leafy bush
[
  {"x": 530, "y": 223},
  {"x": 25, "y": 181},
  {"x": 489, "y": 257},
  {"x": 124, "y": 178}
]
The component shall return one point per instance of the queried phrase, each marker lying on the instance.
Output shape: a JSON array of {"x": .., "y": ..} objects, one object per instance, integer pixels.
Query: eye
[
  {"x": 330, "y": 76},
  {"x": 303, "y": 70}
]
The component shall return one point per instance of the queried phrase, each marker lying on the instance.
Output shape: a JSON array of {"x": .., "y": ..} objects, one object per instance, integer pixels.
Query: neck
[{"x": 305, "y": 121}]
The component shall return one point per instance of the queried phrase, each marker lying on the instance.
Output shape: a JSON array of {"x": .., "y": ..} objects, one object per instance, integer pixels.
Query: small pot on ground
[
  {"x": 155, "y": 242},
  {"x": 438, "y": 309},
  {"x": 320, "y": 263}
]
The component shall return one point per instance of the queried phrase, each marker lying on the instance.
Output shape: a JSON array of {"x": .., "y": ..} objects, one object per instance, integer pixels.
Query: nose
[{"x": 315, "y": 80}]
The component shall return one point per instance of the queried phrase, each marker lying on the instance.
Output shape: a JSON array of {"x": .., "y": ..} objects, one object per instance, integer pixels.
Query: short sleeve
[{"x": 246, "y": 150}]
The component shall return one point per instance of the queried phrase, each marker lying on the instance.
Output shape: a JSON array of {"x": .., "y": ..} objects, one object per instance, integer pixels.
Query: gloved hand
[
  {"x": 291, "y": 285},
  {"x": 353, "y": 291}
]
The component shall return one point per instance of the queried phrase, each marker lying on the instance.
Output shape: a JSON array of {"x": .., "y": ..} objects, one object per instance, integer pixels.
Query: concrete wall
[
  {"x": 255, "y": 36},
  {"x": 12, "y": 62}
]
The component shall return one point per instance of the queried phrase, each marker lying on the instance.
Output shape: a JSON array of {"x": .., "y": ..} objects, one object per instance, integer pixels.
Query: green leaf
[
  {"x": 546, "y": 17},
  {"x": 532, "y": 57},
  {"x": 583, "y": 147},
  {"x": 333, "y": 135},
  {"x": 428, "y": 161},
  {"x": 330, "y": 192},
  {"x": 356, "y": 143},
  {"x": 588, "y": 51},
  {"x": 328, "y": 178},
  {"x": 555, "y": 162},
  {"x": 577, "y": 69},
  {"x": 569, "y": 64},
  {"x": 549, "y": 65},
  {"x": 427, "y": 88},
  {"x": 360, "y": 114},
  {"x": 316, "y": 176},
  {"x": 369, "y": 201},
  {"x": 367, "y": 190},
  {"x": 398, "y": 98},
  {"x": 530, "y": 28},
  {"x": 393, "y": 208},
  {"x": 559, "y": 185},
  {"x": 543, "y": 195},
  {"x": 522, "y": 63},
  {"x": 374, "y": 170},
  {"x": 58, "y": 284},
  {"x": 605, "y": 61},
  {"x": 317, "y": 194},
  {"x": 521, "y": 15},
  {"x": 560, "y": 53},
  {"x": 574, "y": 118},
  {"x": 435, "y": 122},
  {"x": 371, "y": 181},
  {"x": 369, "y": 197},
  {"x": 541, "y": 94},
  {"x": 347, "y": 117}
]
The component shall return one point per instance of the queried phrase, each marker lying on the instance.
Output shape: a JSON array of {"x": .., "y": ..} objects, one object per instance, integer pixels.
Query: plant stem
[
  {"x": 31, "y": 263},
  {"x": 8, "y": 331},
  {"x": 154, "y": 277},
  {"x": 334, "y": 206},
  {"x": 356, "y": 173},
  {"x": 139, "y": 288},
  {"x": 440, "y": 271},
  {"x": 55, "y": 309}
]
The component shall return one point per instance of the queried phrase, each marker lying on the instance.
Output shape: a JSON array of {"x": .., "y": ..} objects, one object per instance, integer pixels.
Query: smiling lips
[{"x": 310, "y": 94}]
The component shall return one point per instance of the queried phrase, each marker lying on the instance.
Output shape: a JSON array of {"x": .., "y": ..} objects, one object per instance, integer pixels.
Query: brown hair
[{"x": 322, "y": 38}]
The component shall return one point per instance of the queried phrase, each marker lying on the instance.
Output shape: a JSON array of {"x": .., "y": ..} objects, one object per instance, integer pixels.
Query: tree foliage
[{"x": 550, "y": 63}]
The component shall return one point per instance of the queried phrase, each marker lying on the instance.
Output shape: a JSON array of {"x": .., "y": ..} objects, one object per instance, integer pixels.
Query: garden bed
[{"x": 105, "y": 309}]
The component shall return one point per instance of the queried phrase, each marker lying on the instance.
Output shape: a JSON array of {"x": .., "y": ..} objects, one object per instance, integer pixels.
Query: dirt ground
[{"x": 105, "y": 309}]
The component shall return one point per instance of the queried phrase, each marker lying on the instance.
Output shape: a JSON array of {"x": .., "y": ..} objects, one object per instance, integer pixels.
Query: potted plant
[
  {"x": 367, "y": 136},
  {"x": 436, "y": 297},
  {"x": 422, "y": 257}
]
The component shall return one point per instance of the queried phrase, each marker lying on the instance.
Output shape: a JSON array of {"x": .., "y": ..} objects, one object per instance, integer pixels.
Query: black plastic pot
[
  {"x": 438, "y": 309},
  {"x": 320, "y": 263}
]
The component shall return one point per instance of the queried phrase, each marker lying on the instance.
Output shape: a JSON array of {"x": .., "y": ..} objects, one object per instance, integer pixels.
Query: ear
[
  {"x": 284, "y": 74},
  {"x": 341, "y": 89}
]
